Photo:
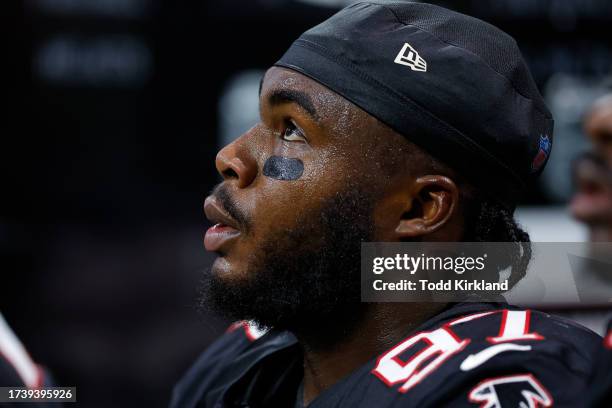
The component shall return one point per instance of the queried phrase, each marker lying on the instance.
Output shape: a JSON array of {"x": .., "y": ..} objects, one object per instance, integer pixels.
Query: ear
[{"x": 433, "y": 202}]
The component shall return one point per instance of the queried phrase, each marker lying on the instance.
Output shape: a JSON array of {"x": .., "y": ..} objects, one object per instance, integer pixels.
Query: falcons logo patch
[{"x": 513, "y": 391}]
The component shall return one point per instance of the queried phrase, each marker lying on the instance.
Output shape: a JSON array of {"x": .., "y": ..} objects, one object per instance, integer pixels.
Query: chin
[
  {"x": 227, "y": 271},
  {"x": 221, "y": 267}
]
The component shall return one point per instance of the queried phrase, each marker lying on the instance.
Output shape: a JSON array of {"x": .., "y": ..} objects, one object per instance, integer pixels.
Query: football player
[
  {"x": 388, "y": 122},
  {"x": 592, "y": 203}
]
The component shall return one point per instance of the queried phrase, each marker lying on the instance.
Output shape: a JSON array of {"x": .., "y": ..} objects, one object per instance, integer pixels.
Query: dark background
[{"x": 108, "y": 149}]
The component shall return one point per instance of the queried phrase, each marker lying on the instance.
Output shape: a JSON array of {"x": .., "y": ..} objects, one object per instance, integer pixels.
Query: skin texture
[
  {"x": 343, "y": 149},
  {"x": 592, "y": 202}
]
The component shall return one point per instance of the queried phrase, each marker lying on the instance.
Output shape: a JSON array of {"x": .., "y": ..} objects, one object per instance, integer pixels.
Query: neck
[
  {"x": 383, "y": 325},
  {"x": 600, "y": 233}
]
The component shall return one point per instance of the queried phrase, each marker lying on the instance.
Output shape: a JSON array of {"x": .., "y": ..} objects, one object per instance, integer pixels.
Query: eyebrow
[{"x": 282, "y": 96}]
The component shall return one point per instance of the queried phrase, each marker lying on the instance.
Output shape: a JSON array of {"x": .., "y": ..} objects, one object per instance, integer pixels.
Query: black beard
[{"x": 306, "y": 280}]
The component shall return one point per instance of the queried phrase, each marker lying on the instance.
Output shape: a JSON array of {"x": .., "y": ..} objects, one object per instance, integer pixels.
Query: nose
[{"x": 234, "y": 163}]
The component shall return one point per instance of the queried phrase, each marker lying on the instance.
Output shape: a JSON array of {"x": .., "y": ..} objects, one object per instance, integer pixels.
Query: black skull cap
[{"x": 454, "y": 85}]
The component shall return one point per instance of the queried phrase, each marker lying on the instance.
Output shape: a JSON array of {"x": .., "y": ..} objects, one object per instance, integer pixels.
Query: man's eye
[{"x": 292, "y": 133}]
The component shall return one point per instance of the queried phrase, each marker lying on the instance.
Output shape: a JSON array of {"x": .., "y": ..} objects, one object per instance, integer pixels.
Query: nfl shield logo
[{"x": 543, "y": 152}]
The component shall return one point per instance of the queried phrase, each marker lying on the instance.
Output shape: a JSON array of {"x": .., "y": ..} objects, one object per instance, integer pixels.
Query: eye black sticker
[{"x": 283, "y": 168}]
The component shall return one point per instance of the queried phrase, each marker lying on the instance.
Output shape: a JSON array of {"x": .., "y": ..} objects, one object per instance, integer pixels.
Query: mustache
[{"x": 223, "y": 197}]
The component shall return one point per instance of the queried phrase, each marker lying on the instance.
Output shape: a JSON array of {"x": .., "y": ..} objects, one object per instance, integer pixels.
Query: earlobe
[{"x": 434, "y": 199}]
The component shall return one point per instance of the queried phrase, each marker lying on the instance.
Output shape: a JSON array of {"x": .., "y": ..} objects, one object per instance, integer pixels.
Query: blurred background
[{"x": 116, "y": 110}]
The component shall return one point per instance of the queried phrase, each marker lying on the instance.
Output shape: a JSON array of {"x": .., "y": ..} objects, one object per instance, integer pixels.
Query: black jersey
[
  {"x": 471, "y": 355},
  {"x": 8, "y": 375},
  {"x": 600, "y": 392}
]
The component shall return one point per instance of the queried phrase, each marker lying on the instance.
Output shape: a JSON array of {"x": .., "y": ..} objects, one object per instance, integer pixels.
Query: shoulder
[
  {"x": 498, "y": 353},
  {"x": 601, "y": 379},
  {"x": 243, "y": 344}
]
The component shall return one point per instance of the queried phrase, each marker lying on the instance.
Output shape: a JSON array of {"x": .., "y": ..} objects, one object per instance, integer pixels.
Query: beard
[{"x": 306, "y": 280}]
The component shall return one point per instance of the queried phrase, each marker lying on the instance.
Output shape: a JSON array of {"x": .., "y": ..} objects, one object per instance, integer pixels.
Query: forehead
[
  {"x": 337, "y": 117},
  {"x": 603, "y": 112},
  {"x": 599, "y": 119},
  {"x": 330, "y": 106},
  {"x": 277, "y": 78}
]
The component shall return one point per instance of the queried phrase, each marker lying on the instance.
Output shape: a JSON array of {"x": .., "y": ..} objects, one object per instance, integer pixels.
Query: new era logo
[{"x": 410, "y": 57}]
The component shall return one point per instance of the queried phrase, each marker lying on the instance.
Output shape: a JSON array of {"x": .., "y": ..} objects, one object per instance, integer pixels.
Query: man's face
[
  {"x": 592, "y": 202},
  {"x": 301, "y": 190},
  {"x": 598, "y": 128}
]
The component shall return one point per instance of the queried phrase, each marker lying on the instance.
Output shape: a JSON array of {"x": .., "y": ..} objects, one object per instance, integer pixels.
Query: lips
[{"x": 224, "y": 230}]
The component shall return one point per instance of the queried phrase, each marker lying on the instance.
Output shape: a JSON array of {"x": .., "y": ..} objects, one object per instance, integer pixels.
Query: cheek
[
  {"x": 289, "y": 189},
  {"x": 296, "y": 181},
  {"x": 387, "y": 214}
]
